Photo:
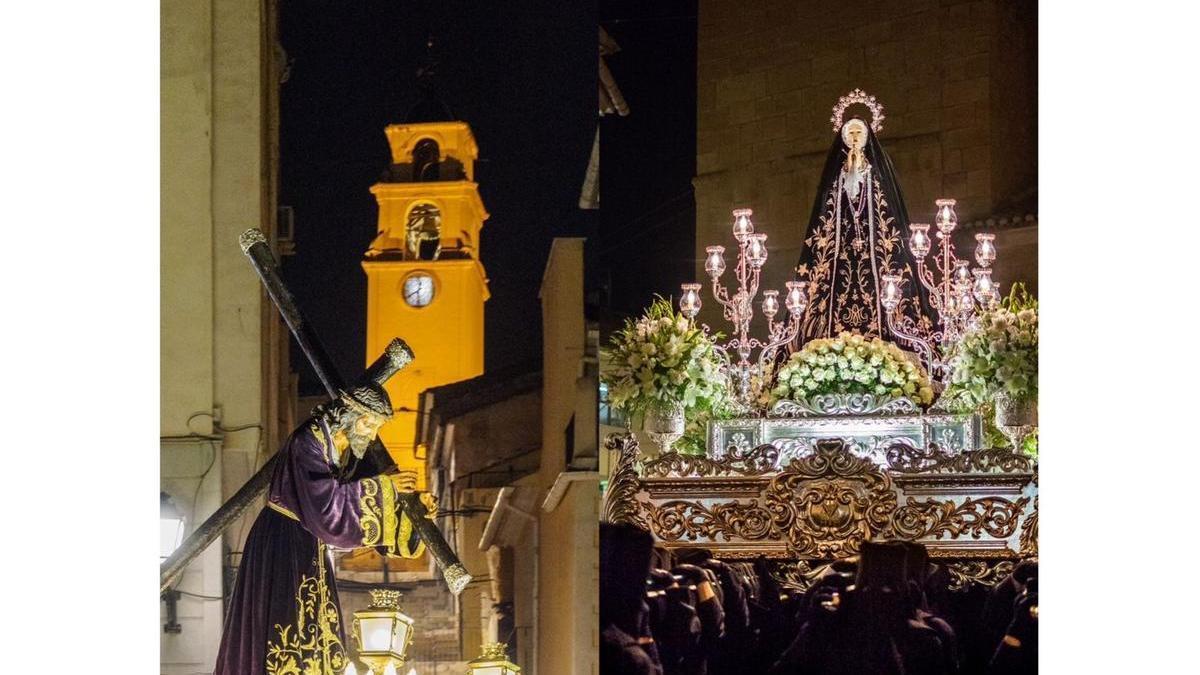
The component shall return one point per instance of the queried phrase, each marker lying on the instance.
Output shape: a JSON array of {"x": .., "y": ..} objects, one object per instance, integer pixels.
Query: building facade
[
  {"x": 515, "y": 457},
  {"x": 224, "y": 383}
]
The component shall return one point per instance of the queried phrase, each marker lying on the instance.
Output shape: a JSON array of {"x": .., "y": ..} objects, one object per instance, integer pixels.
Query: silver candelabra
[
  {"x": 958, "y": 297},
  {"x": 738, "y": 308}
]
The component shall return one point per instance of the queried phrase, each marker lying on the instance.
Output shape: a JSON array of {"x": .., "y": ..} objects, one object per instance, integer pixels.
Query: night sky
[
  {"x": 524, "y": 79},
  {"x": 648, "y": 158}
]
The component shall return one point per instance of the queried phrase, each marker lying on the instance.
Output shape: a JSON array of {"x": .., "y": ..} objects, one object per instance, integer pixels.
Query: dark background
[
  {"x": 648, "y": 158},
  {"x": 522, "y": 75}
]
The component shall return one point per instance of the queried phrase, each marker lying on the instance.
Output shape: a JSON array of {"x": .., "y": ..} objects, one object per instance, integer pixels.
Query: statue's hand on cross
[{"x": 405, "y": 481}]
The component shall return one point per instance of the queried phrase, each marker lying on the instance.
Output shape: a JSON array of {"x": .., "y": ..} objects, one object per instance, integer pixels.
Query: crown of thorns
[{"x": 367, "y": 400}]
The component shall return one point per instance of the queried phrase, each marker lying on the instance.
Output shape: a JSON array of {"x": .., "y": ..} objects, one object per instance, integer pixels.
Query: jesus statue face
[
  {"x": 362, "y": 432},
  {"x": 854, "y": 134},
  {"x": 356, "y": 431}
]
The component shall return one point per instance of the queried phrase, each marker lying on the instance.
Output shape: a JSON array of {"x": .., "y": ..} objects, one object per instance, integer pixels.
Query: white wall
[
  {"x": 211, "y": 357},
  {"x": 568, "y": 614}
]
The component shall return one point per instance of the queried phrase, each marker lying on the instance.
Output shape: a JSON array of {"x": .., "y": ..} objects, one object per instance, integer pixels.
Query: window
[{"x": 608, "y": 416}]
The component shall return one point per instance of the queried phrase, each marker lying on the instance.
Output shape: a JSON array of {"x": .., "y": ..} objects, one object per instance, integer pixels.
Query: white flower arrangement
[
  {"x": 662, "y": 360},
  {"x": 999, "y": 353},
  {"x": 851, "y": 364}
]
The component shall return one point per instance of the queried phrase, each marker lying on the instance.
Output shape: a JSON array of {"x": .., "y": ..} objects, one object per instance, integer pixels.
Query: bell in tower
[{"x": 427, "y": 158}]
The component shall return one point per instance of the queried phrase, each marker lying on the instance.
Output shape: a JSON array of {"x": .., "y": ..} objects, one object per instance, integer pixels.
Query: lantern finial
[
  {"x": 493, "y": 660},
  {"x": 382, "y": 598},
  {"x": 495, "y": 650}
]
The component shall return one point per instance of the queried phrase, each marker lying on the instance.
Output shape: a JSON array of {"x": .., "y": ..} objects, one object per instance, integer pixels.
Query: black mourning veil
[{"x": 897, "y": 254}]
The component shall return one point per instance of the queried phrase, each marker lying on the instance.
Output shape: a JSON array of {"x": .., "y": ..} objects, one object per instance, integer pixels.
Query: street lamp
[
  {"x": 493, "y": 661},
  {"x": 170, "y": 526},
  {"x": 383, "y": 632},
  {"x": 171, "y": 522}
]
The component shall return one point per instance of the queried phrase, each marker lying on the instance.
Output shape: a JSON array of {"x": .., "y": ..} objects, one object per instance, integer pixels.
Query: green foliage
[
  {"x": 695, "y": 432},
  {"x": 999, "y": 353},
  {"x": 662, "y": 359}
]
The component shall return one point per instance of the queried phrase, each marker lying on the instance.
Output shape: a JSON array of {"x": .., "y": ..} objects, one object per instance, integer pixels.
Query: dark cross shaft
[{"x": 396, "y": 356}]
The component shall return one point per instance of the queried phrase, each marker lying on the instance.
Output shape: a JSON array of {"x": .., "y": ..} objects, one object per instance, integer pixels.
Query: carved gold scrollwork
[
  {"x": 904, "y": 458},
  {"x": 823, "y": 505},
  {"x": 749, "y": 462},
  {"x": 620, "y": 500},
  {"x": 963, "y": 574},
  {"x": 801, "y": 575},
  {"x": 798, "y": 575},
  {"x": 826, "y": 504},
  {"x": 845, "y": 404},
  {"x": 994, "y": 515},
  {"x": 1029, "y": 532},
  {"x": 676, "y": 520},
  {"x": 754, "y": 461},
  {"x": 827, "y": 501}
]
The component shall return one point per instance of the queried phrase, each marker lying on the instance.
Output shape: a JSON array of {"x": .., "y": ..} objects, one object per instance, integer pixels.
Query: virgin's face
[{"x": 854, "y": 134}]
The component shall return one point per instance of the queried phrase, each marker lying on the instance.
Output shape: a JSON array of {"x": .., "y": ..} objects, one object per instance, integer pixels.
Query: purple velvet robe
[{"x": 284, "y": 617}]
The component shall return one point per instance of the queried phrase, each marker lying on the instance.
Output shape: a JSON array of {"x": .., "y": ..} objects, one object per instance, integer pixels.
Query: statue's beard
[{"x": 358, "y": 443}]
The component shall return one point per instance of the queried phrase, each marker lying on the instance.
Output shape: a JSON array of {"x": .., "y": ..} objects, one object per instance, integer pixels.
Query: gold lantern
[
  {"x": 383, "y": 632},
  {"x": 493, "y": 661}
]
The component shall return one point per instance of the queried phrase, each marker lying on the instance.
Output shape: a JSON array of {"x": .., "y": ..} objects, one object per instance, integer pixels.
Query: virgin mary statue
[{"x": 856, "y": 234}]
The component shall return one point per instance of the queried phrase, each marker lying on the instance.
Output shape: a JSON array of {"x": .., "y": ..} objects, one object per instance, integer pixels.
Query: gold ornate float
[{"x": 975, "y": 509}]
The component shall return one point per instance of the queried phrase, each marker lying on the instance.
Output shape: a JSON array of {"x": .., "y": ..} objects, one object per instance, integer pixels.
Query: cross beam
[{"x": 396, "y": 356}]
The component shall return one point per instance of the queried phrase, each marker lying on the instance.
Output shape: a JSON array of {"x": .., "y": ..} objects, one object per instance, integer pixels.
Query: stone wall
[{"x": 958, "y": 81}]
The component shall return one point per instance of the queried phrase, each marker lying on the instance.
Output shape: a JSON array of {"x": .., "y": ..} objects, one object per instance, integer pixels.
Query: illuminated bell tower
[{"x": 425, "y": 282}]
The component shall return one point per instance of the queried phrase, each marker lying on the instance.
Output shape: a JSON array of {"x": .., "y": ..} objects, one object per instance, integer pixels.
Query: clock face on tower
[{"x": 418, "y": 289}]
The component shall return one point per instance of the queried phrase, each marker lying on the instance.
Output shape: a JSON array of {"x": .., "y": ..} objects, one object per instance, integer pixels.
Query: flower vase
[
  {"x": 1015, "y": 419},
  {"x": 664, "y": 424}
]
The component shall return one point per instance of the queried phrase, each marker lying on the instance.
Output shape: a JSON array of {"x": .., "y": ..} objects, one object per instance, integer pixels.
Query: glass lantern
[
  {"x": 950, "y": 305},
  {"x": 985, "y": 250},
  {"x": 947, "y": 219},
  {"x": 984, "y": 286},
  {"x": 796, "y": 299},
  {"x": 756, "y": 250},
  {"x": 770, "y": 303},
  {"x": 689, "y": 300},
  {"x": 890, "y": 296},
  {"x": 918, "y": 241},
  {"x": 714, "y": 264},
  {"x": 742, "y": 227},
  {"x": 382, "y": 631},
  {"x": 962, "y": 274},
  {"x": 493, "y": 660}
]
